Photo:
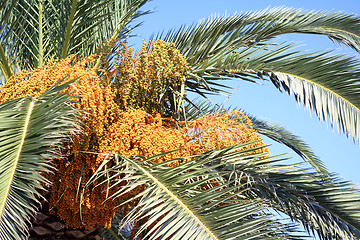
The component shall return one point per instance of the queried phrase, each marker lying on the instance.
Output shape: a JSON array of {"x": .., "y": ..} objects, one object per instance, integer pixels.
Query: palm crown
[{"x": 209, "y": 175}]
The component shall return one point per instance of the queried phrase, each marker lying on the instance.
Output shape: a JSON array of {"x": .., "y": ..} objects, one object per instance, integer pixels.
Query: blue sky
[{"x": 339, "y": 153}]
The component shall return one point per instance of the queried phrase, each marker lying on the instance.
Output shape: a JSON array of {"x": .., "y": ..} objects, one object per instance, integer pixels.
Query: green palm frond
[
  {"x": 27, "y": 128},
  {"x": 196, "y": 109},
  {"x": 6, "y": 24},
  {"x": 39, "y": 31},
  {"x": 284, "y": 136},
  {"x": 340, "y": 27},
  {"x": 177, "y": 206},
  {"x": 103, "y": 20},
  {"x": 238, "y": 47},
  {"x": 325, "y": 83},
  {"x": 175, "y": 203},
  {"x": 219, "y": 35},
  {"x": 318, "y": 200},
  {"x": 321, "y": 203}
]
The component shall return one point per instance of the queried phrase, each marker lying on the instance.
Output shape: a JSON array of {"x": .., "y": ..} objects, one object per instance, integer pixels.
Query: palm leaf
[
  {"x": 196, "y": 109},
  {"x": 284, "y": 136},
  {"x": 5, "y": 26},
  {"x": 321, "y": 203},
  {"x": 327, "y": 84},
  {"x": 27, "y": 127},
  {"x": 219, "y": 35},
  {"x": 42, "y": 32},
  {"x": 238, "y": 47},
  {"x": 177, "y": 207},
  {"x": 340, "y": 27},
  {"x": 103, "y": 20}
]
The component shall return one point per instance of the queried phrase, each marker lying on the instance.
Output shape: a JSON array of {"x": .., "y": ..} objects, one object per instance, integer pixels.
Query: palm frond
[
  {"x": 39, "y": 31},
  {"x": 27, "y": 128},
  {"x": 196, "y": 109},
  {"x": 284, "y": 136},
  {"x": 185, "y": 202},
  {"x": 103, "y": 20},
  {"x": 236, "y": 183},
  {"x": 326, "y": 83},
  {"x": 334, "y": 98},
  {"x": 341, "y": 28},
  {"x": 321, "y": 203},
  {"x": 5, "y": 27},
  {"x": 219, "y": 35}
]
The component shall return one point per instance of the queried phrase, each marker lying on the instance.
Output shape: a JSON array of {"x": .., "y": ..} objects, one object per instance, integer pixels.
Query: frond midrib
[
  {"x": 69, "y": 26},
  {"x": 339, "y": 30},
  {"x": 17, "y": 158},
  {"x": 175, "y": 198}
]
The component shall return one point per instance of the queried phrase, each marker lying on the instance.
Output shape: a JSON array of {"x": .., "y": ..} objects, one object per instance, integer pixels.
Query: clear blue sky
[{"x": 339, "y": 153}]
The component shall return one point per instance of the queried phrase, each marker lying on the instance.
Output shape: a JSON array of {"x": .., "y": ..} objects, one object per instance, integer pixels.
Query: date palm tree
[{"x": 249, "y": 195}]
